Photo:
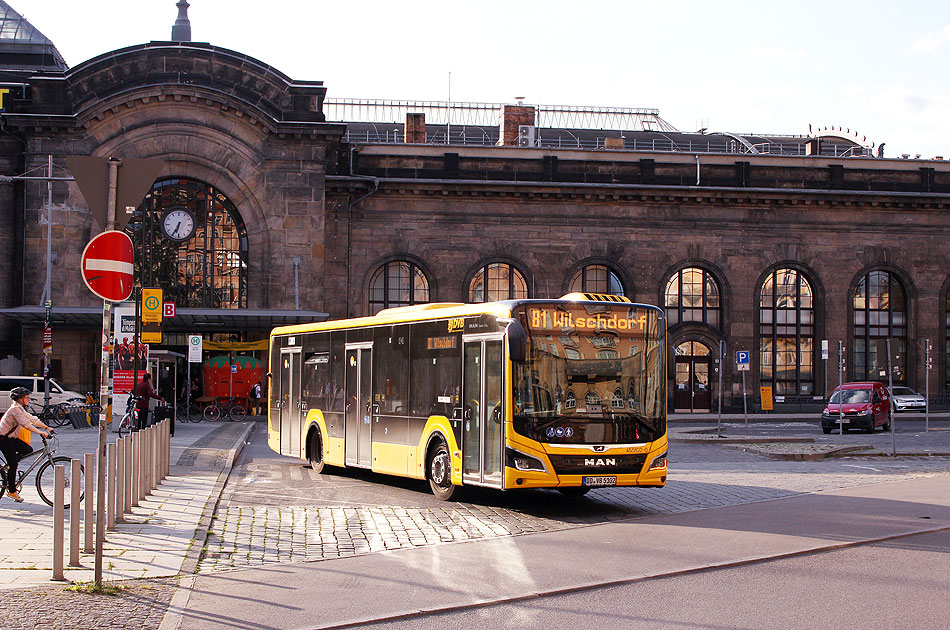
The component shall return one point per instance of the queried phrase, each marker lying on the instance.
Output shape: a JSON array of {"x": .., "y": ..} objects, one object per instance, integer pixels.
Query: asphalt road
[
  {"x": 735, "y": 540},
  {"x": 894, "y": 584}
]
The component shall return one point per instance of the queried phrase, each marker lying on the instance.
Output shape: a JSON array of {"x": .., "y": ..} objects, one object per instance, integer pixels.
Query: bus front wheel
[
  {"x": 440, "y": 472},
  {"x": 316, "y": 452}
]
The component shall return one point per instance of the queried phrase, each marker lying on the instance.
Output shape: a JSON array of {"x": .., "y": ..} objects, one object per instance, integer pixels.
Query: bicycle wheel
[
  {"x": 237, "y": 413},
  {"x": 45, "y": 479},
  {"x": 125, "y": 425},
  {"x": 211, "y": 413},
  {"x": 59, "y": 417}
]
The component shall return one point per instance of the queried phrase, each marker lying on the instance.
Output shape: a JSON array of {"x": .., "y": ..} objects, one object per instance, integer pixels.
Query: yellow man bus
[{"x": 567, "y": 394}]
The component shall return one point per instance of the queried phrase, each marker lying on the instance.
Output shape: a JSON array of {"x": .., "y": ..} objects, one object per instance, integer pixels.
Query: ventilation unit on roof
[{"x": 527, "y": 135}]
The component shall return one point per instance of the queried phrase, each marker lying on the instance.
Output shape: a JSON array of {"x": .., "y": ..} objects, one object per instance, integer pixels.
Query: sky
[{"x": 872, "y": 67}]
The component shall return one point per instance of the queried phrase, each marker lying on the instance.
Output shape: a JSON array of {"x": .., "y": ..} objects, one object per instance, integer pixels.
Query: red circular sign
[{"x": 107, "y": 267}]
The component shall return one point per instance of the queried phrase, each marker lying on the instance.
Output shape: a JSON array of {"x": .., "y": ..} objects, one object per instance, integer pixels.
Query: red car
[{"x": 863, "y": 405}]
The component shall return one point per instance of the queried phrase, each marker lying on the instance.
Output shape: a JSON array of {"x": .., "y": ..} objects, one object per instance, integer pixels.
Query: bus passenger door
[
  {"x": 290, "y": 401},
  {"x": 483, "y": 431},
  {"x": 359, "y": 405}
]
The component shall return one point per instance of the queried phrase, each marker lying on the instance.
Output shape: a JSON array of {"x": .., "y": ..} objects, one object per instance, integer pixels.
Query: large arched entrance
[{"x": 693, "y": 367}]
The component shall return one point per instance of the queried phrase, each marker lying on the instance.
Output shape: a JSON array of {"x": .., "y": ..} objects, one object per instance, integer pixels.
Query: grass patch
[{"x": 91, "y": 588}]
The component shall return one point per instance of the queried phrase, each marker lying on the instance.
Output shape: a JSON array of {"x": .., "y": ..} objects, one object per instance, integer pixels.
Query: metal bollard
[
  {"x": 59, "y": 492},
  {"x": 119, "y": 480},
  {"x": 163, "y": 454},
  {"x": 75, "y": 477},
  {"x": 89, "y": 514},
  {"x": 147, "y": 462},
  {"x": 136, "y": 467},
  {"x": 128, "y": 474},
  {"x": 110, "y": 487}
]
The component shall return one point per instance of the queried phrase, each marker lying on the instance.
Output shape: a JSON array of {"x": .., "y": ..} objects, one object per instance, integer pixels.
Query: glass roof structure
[{"x": 23, "y": 47}]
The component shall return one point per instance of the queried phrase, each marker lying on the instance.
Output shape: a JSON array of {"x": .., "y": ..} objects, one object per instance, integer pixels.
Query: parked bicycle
[
  {"x": 129, "y": 417},
  {"x": 230, "y": 409},
  {"x": 52, "y": 415},
  {"x": 45, "y": 476}
]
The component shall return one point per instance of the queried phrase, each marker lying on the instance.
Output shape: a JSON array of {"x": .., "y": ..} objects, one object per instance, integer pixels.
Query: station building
[{"x": 304, "y": 207}]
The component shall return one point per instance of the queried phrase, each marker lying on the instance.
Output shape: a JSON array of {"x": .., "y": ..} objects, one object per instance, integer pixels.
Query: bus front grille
[{"x": 598, "y": 464}]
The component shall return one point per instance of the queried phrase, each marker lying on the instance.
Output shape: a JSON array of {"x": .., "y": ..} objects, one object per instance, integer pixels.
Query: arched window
[
  {"x": 692, "y": 295},
  {"x": 397, "y": 283},
  {"x": 189, "y": 231},
  {"x": 787, "y": 333},
  {"x": 597, "y": 279},
  {"x": 571, "y": 401},
  {"x": 592, "y": 399},
  {"x": 617, "y": 401},
  {"x": 497, "y": 281},
  {"x": 880, "y": 312}
]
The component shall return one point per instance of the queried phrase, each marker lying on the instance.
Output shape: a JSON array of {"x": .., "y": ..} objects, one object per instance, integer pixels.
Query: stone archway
[{"x": 691, "y": 389}]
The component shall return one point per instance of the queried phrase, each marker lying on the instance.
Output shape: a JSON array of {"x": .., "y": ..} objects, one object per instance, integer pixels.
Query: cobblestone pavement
[
  {"x": 276, "y": 509},
  {"x": 140, "y": 604}
]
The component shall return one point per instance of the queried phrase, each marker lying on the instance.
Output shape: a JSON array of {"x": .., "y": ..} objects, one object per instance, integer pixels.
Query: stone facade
[{"x": 344, "y": 210}]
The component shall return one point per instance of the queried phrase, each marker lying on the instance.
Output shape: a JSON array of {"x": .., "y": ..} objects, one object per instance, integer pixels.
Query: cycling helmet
[{"x": 19, "y": 392}]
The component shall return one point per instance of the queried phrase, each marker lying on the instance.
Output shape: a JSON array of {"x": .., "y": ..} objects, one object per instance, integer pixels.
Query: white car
[
  {"x": 906, "y": 399},
  {"x": 58, "y": 393}
]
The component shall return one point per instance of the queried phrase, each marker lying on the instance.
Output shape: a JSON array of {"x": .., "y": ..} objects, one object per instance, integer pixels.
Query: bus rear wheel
[
  {"x": 439, "y": 469},
  {"x": 316, "y": 452}
]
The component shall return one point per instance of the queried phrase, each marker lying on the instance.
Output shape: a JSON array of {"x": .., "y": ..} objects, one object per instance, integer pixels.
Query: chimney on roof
[
  {"x": 181, "y": 30},
  {"x": 513, "y": 117},
  {"x": 415, "y": 128}
]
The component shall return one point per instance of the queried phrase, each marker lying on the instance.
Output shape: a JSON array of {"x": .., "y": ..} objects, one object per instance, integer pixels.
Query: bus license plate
[{"x": 599, "y": 481}]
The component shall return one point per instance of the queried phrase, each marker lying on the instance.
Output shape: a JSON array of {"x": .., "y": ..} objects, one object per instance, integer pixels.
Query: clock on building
[{"x": 178, "y": 223}]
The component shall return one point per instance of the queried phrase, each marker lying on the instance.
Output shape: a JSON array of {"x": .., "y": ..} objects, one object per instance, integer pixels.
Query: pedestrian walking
[
  {"x": 16, "y": 424},
  {"x": 256, "y": 395}
]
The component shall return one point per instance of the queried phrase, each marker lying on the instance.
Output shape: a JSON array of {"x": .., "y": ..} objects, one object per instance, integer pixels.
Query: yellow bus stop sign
[{"x": 151, "y": 305}]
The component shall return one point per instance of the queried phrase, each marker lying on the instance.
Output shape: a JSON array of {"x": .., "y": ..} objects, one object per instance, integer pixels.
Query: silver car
[{"x": 906, "y": 399}]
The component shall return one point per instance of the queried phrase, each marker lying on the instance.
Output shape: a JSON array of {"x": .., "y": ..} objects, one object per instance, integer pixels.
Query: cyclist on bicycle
[
  {"x": 144, "y": 392},
  {"x": 16, "y": 420}
]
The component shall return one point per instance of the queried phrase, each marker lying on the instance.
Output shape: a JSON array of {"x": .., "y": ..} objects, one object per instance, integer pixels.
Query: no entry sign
[{"x": 107, "y": 267}]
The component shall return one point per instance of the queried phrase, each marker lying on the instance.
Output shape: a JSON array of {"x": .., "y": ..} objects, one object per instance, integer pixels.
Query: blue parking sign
[{"x": 742, "y": 360}]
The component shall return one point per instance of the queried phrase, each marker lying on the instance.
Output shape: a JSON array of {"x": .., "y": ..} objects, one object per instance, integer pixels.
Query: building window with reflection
[
  {"x": 597, "y": 279},
  {"x": 616, "y": 402},
  {"x": 692, "y": 295},
  {"x": 189, "y": 231},
  {"x": 397, "y": 283},
  {"x": 497, "y": 281},
  {"x": 787, "y": 333},
  {"x": 880, "y": 312}
]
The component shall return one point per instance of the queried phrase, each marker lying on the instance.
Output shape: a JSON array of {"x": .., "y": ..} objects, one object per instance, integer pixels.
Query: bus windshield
[{"x": 595, "y": 373}]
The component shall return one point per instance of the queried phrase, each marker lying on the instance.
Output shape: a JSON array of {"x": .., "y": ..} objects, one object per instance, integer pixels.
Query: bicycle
[
  {"x": 52, "y": 415},
  {"x": 231, "y": 409},
  {"x": 128, "y": 419},
  {"x": 45, "y": 476},
  {"x": 183, "y": 413}
]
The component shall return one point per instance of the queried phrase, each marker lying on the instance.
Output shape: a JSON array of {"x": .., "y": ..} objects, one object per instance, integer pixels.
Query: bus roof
[{"x": 443, "y": 310}]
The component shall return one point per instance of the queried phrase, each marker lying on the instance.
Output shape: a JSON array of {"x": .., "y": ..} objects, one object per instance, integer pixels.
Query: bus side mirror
[
  {"x": 517, "y": 342},
  {"x": 269, "y": 375}
]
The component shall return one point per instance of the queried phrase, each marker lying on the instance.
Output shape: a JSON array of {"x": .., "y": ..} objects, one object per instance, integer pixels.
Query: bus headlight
[
  {"x": 659, "y": 462},
  {"x": 520, "y": 461}
]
